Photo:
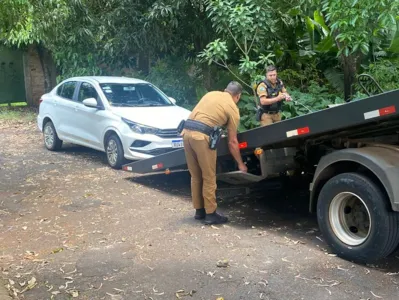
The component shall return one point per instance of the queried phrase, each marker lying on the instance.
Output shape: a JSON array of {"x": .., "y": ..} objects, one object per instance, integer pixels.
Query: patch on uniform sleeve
[{"x": 262, "y": 89}]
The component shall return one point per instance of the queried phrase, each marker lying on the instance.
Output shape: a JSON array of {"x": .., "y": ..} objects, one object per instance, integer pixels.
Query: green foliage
[
  {"x": 357, "y": 24},
  {"x": 318, "y": 97},
  {"x": 301, "y": 78},
  {"x": 26, "y": 22},
  {"x": 247, "y": 111},
  {"x": 247, "y": 25},
  {"x": 385, "y": 72},
  {"x": 177, "y": 79}
]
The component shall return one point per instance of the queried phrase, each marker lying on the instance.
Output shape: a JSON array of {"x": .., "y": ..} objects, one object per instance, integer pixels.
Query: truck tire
[
  {"x": 355, "y": 218},
  {"x": 114, "y": 152},
  {"x": 50, "y": 136}
]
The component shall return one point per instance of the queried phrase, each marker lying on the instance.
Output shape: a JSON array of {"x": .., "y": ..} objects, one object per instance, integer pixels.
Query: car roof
[{"x": 108, "y": 79}]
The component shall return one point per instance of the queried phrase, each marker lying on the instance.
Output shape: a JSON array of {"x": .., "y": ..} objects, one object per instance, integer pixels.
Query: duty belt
[{"x": 198, "y": 126}]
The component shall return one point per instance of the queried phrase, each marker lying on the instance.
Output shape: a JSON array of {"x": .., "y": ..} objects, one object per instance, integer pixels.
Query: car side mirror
[
  {"x": 90, "y": 102},
  {"x": 173, "y": 100}
]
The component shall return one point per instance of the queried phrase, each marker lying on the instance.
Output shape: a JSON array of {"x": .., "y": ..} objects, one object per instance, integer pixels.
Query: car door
[
  {"x": 89, "y": 121},
  {"x": 63, "y": 110}
]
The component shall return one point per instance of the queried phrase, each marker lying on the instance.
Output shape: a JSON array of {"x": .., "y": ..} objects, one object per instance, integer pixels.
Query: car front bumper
[{"x": 142, "y": 146}]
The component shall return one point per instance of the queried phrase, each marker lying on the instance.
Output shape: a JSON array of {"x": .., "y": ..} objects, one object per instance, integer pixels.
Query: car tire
[
  {"x": 355, "y": 218},
  {"x": 50, "y": 137},
  {"x": 114, "y": 152}
]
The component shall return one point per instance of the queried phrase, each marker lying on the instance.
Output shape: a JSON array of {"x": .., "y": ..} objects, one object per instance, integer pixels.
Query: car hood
[{"x": 163, "y": 117}]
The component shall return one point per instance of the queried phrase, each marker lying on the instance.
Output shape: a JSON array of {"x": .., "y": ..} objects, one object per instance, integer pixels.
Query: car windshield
[{"x": 134, "y": 95}]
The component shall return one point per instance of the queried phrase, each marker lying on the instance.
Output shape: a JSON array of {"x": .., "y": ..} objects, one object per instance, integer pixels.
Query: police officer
[
  {"x": 216, "y": 108},
  {"x": 271, "y": 92}
]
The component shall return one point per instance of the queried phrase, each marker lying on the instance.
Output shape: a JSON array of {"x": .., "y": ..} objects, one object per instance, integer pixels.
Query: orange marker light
[
  {"x": 258, "y": 151},
  {"x": 167, "y": 172}
]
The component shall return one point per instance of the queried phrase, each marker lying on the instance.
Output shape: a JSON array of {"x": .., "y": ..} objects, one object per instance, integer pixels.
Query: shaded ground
[{"x": 72, "y": 228}]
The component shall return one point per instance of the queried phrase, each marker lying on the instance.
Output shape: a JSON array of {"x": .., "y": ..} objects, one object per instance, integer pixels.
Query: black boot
[
  {"x": 215, "y": 218},
  {"x": 200, "y": 214}
]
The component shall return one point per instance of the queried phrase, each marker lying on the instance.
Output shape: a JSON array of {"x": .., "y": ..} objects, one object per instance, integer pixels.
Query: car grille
[{"x": 167, "y": 133}]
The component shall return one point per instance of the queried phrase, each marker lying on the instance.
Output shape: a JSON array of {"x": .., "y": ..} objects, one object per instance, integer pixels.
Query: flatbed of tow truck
[
  {"x": 287, "y": 133},
  {"x": 347, "y": 154}
]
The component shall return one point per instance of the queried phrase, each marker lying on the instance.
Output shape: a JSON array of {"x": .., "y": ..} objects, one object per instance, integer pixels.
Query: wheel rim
[
  {"x": 350, "y": 218},
  {"x": 112, "y": 152},
  {"x": 48, "y": 136}
]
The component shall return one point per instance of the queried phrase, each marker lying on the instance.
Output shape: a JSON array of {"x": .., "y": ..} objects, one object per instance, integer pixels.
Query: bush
[
  {"x": 318, "y": 98},
  {"x": 385, "y": 72}
]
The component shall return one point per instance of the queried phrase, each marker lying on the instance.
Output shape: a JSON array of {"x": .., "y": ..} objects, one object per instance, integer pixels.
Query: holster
[
  {"x": 259, "y": 113},
  {"x": 214, "y": 137}
]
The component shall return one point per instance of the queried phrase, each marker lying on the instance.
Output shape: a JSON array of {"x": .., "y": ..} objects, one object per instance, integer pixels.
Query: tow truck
[{"x": 350, "y": 155}]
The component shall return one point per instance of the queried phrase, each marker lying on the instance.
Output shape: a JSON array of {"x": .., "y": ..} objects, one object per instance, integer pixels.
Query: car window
[
  {"x": 134, "y": 95},
  {"x": 87, "y": 91},
  {"x": 66, "y": 90}
]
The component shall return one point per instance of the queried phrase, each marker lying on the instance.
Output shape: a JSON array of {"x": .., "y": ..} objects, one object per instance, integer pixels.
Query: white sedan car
[{"x": 124, "y": 117}]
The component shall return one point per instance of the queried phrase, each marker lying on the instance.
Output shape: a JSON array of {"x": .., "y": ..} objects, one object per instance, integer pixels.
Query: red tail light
[
  {"x": 243, "y": 145},
  {"x": 40, "y": 100}
]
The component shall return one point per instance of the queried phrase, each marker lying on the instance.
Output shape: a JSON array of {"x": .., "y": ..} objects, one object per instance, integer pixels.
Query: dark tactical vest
[{"x": 272, "y": 93}]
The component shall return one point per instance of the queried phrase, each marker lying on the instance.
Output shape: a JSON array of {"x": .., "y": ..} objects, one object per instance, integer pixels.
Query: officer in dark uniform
[
  {"x": 271, "y": 92},
  {"x": 215, "y": 109}
]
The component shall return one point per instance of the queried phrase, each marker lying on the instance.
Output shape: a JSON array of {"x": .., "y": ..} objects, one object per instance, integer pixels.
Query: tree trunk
[
  {"x": 349, "y": 67},
  {"x": 144, "y": 63},
  {"x": 48, "y": 68}
]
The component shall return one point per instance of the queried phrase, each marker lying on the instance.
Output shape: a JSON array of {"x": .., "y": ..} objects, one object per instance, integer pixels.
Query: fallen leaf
[
  {"x": 74, "y": 293},
  {"x": 222, "y": 263},
  {"x": 32, "y": 282},
  {"x": 57, "y": 250}
]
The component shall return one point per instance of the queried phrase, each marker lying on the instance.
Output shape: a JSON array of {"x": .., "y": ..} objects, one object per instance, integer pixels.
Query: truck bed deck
[{"x": 358, "y": 114}]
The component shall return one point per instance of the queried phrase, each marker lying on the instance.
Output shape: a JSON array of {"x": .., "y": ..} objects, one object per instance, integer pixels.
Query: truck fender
[{"x": 381, "y": 160}]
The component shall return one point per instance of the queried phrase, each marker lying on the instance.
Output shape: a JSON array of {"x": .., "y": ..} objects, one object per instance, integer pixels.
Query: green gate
[{"x": 12, "y": 81}]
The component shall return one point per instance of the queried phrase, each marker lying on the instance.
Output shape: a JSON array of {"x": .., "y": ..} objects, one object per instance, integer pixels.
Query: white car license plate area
[{"x": 177, "y": 144}]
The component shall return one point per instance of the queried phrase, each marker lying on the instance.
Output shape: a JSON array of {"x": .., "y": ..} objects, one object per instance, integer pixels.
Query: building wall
[
  {"x": 12, "y": 86},
  {"x": 34, "y": 76}
]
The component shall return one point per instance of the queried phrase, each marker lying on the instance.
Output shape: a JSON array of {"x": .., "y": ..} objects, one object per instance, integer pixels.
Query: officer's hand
[
  {"x": 281, "y": 97},
  {"x": 243, "y": 168}
]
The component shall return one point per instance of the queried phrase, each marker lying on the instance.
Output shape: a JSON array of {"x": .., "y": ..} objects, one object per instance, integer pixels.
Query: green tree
[
  {"x": 34, "y": 22},
  {"x": 359, "y": 29}
]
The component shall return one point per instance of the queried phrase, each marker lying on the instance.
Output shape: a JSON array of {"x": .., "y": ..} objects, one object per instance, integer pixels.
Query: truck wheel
[
  {"x": 354, "y": 216},
  {"x": 51, "y": 140},
  {"x": 114, "y": 151}
]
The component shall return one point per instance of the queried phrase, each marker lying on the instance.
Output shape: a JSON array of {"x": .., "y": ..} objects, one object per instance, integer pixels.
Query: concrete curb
[{"x": 4, "y": 295}]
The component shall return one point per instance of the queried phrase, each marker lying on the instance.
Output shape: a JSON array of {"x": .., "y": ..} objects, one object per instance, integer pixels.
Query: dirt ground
[{"x": 73, "y": 228}]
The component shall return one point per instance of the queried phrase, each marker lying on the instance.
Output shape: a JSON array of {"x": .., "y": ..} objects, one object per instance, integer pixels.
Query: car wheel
[
  {"x": 51, "y": 140},
  {"x": 114, "y": 151},
  {"x": 355, "y": 218}
]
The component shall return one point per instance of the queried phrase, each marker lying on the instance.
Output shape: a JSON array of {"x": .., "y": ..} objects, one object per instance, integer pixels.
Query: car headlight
[{"x": 138, "y": 128}]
